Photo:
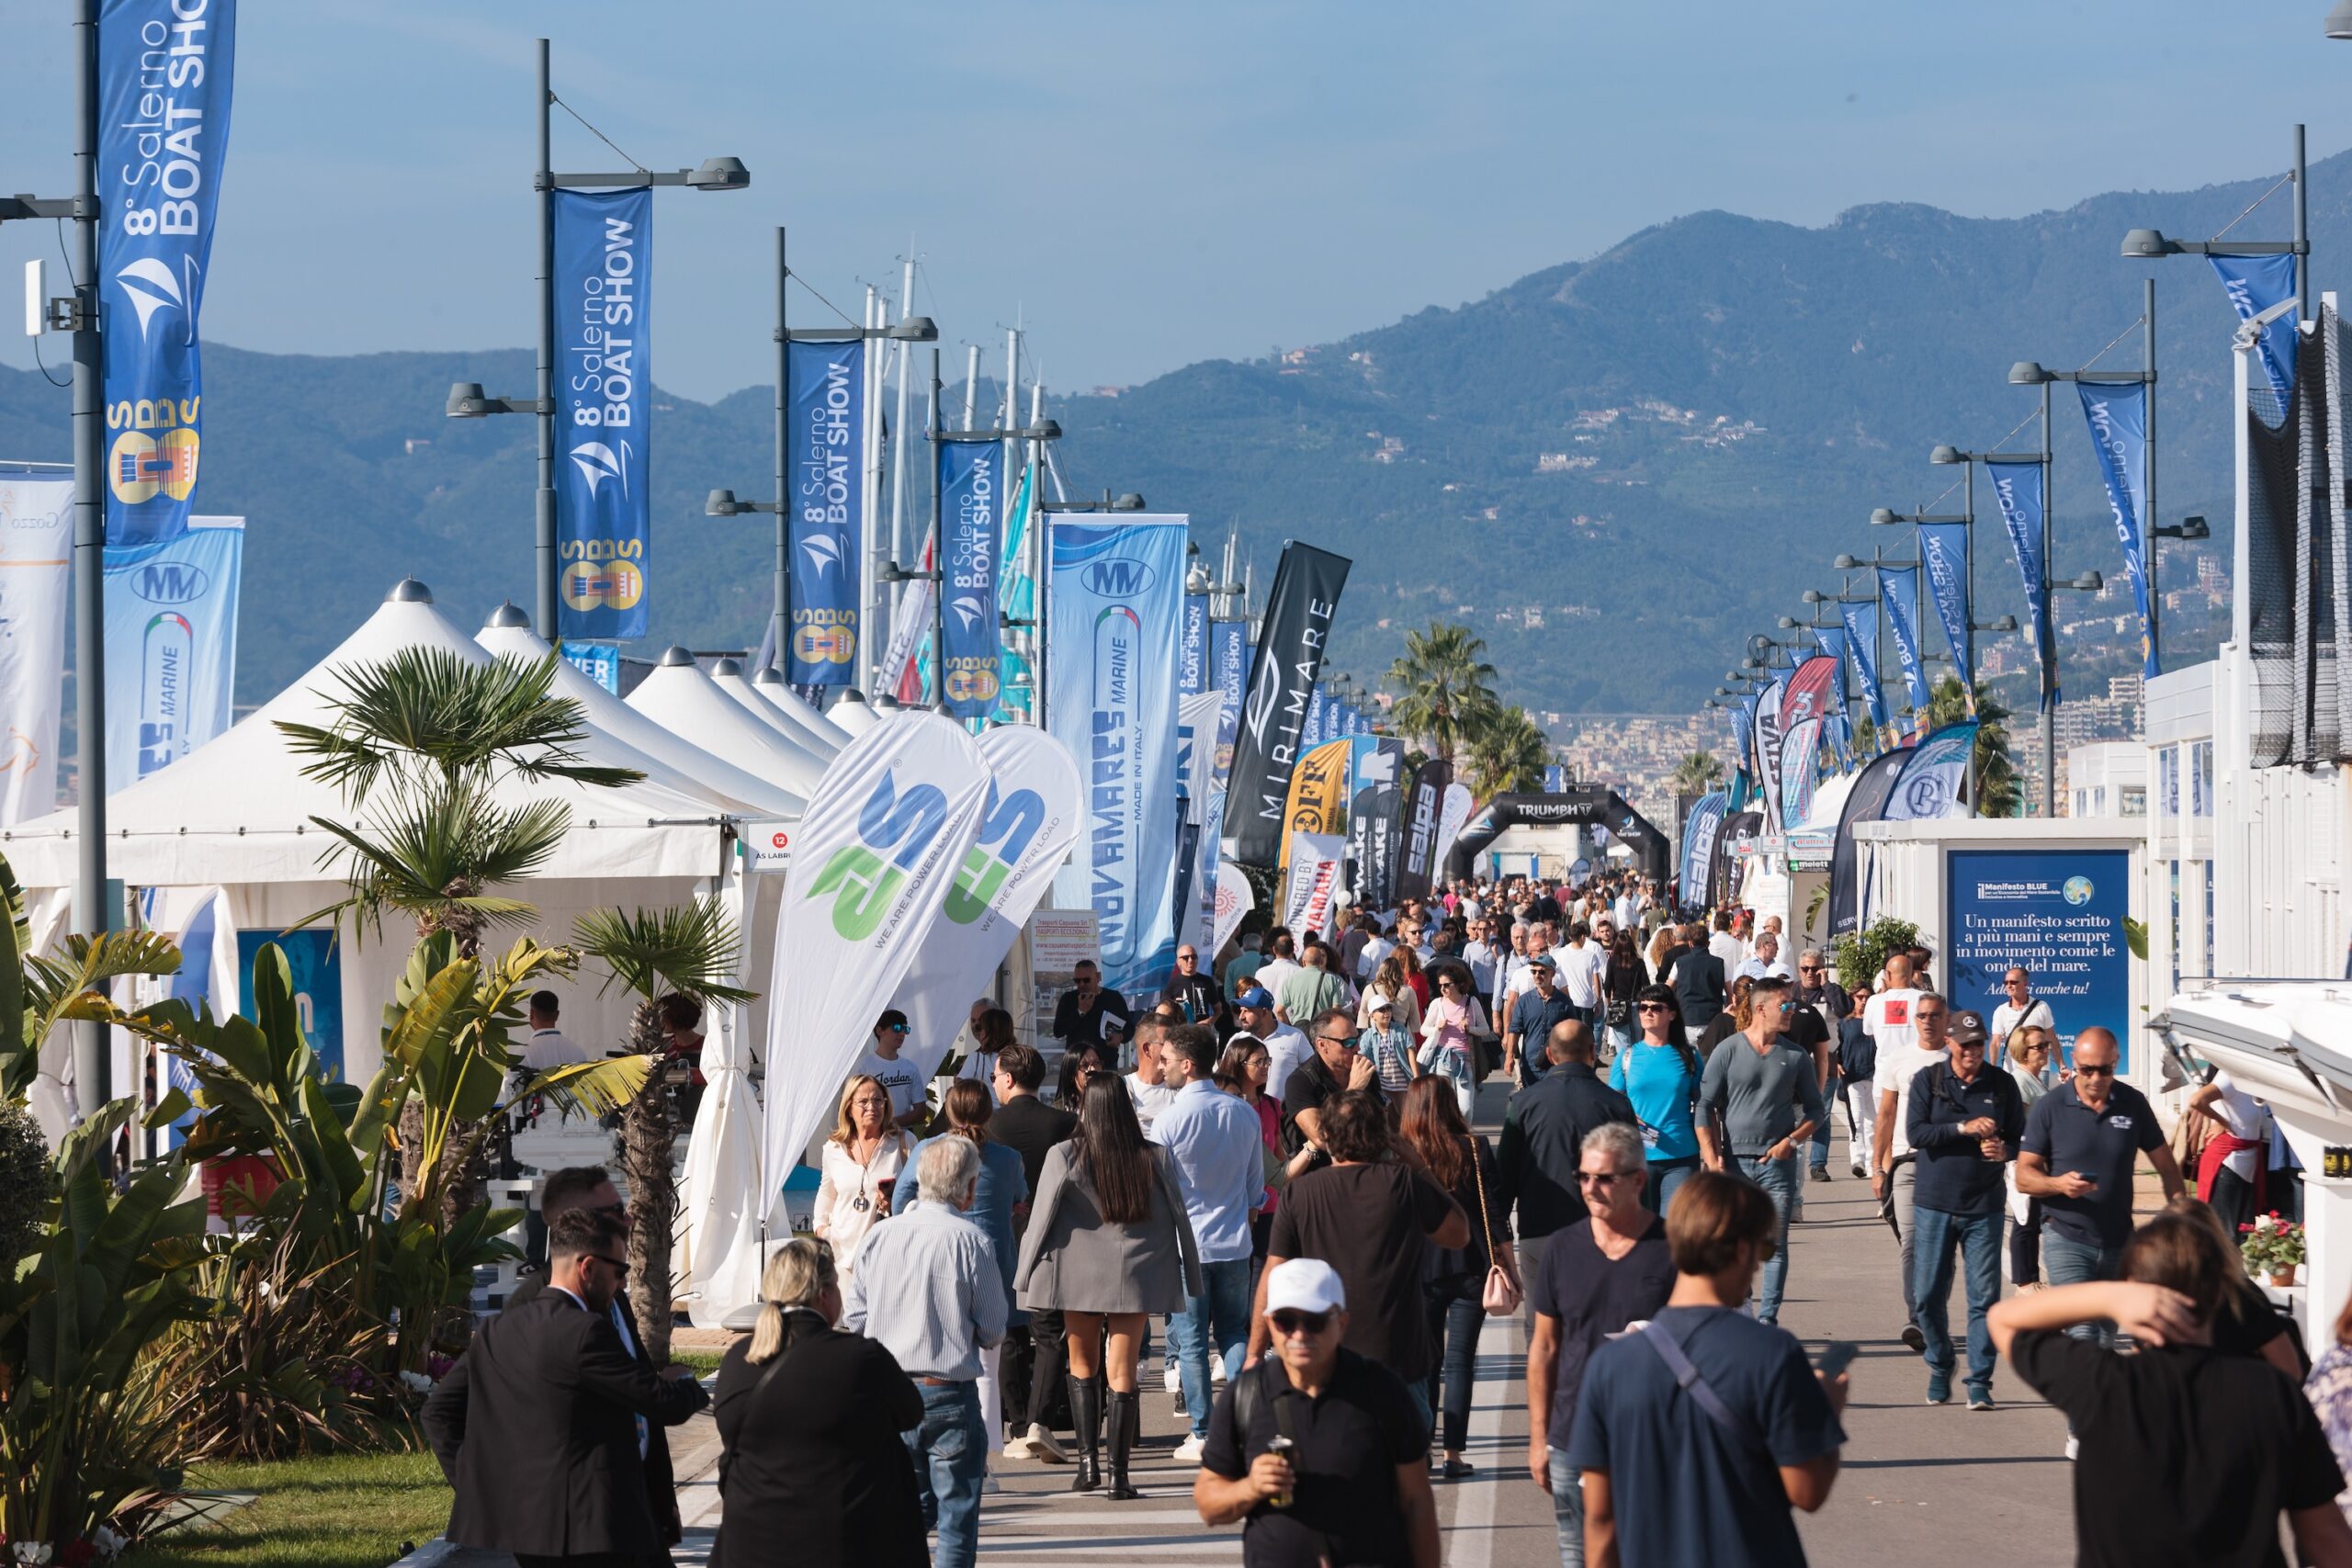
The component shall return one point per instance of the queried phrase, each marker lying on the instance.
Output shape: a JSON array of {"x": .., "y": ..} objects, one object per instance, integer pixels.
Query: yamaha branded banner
[
  {"x": 2118, "y": 421},
  {"x": 1766, "y": 749},
  {"x": 1297, "y": 629},
  {"x": 604, "y": 399},
  {"x": 1114, "y": 598},
  {"x": 1311, "y": 883},
  {"x": 36, "y": 582},
  {"x": 1944, "y": 547},
  {"x": 171, "y": 614},
  {"x": 1800, "y": 771},
  {"x": 883, "y": 844},
  {"x": 823, "y": 437},
  {"x": 1194, "y": 649},
  {"x": 969, "y": 641},
  {"x": 1861, "y": 647},
  {"x": 1320, "y": 789},
  {"x": 164, "y": 73},
  {"x": 1376, "y": 800},
  {"x": 1418, "y": 872},
  {"x": 1898, "y": 591},
  {"x": 1934, "y": 781},
  {"x": 1699, "y": 841},
  {"x": 1229, "y": 669},
  {"x": 1864, "y": 802},
  {"x": 1035, "y": 803},
  {"x": 2255, "y": 284},
  {"x": 2017, "y": 486}
]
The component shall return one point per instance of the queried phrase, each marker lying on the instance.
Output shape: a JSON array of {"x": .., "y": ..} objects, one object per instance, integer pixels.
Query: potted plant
[{"x": 2273, "y": 1248}]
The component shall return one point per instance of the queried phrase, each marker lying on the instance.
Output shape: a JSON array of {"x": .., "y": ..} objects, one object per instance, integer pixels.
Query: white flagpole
[{"x": 899, "y": 444}]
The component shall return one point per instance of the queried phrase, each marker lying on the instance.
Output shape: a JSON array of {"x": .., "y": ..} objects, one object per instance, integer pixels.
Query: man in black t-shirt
[
  {"x": 1090, "y": 1013},
  {"x": 1354, "y": 1487},
  {"x": 1336, "y": 1067},
  {"x": 2226, "y": 1443},
  {"x": 1034, "y": 1365},
  {"x": 1190, "y": 989}
]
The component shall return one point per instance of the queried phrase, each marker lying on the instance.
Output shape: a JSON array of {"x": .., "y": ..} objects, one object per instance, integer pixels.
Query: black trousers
[{"x": 1035, "y": 1364}]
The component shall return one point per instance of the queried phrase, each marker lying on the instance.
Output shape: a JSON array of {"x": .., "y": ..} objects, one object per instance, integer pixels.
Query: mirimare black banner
[{"x": 1297, "y": 630}]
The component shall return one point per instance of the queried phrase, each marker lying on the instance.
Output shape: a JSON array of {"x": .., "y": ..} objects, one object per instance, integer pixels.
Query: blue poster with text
[
  {"x": 2058, "y": 914},
  {"x": 603, "y": 400},
  {"x": 824, "y": 434},
  {"x": 314, "y": 961}
]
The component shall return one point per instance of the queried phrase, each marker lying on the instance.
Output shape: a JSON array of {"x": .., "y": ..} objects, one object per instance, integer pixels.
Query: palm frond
[{"x": 690, "y": 948}]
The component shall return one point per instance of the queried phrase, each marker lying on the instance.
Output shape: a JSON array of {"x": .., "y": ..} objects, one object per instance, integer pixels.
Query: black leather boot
[
  {"x": 1126, "y": 1425},
  {"x": 1086, "y": 1419}
]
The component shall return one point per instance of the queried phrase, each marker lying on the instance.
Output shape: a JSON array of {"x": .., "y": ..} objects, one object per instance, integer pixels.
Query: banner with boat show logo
[
  {"x": 171, "y": 618},
  {"x": 604, "y": 399},
  {"x": 2255, "y": 284},
  {"x": 36, "y": 580},
  {"x": 1898, "y": 592},
  {"x": 1316, "y": 730},
  {"x": 823, "y": 435},
  {"x": 969, "y": 640},
  {"x": 1416, "y": 873},
  {"x": 1192, "y": 652},
  {"x": 2118, "y": 416},
  {"x": 1861, "y": 647},
  {"x": 2017, "y": 489},
  {"x": 165, "y": 72},
  {"x": 1943, "y": 549},
  {"x": 1291, "y": 645},
  {"x": 1229, "y": 669},
  {"x": 1114, "y": 603}
]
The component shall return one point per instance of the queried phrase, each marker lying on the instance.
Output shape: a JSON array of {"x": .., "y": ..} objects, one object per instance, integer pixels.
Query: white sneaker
[
  {"x": 2073, "y": 1446},
  {"x": 988, "y": 1488},
  {"x": 1038, "y": 1445},
  {"x": 1189, "y": 1450},
  {"x": 1172, "y": 1377},
  {"x": 1216, "y": 1366}
]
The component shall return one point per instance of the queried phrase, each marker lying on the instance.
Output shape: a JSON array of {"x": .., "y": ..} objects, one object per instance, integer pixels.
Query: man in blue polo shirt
[
  {"x": 2082, "y": 1141},
  {"x": 1965, "y": 1120}
]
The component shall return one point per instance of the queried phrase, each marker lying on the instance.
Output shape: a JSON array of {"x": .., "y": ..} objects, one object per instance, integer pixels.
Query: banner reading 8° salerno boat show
[
  {"x": 1113, "y": 604},
  {"x": 969, "y": 495},
  {"x": 165, "y": 75},
  {"x": 604, "y": 398},
  {"x": 824, "y": 425}
]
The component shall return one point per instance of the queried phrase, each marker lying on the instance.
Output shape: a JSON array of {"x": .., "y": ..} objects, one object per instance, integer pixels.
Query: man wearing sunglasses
[
  {"x": 543, "y": 1426},
  {"x": 1352, "y": 1486},
  {"x": 1764, "y": 1087},
  {"x": 1966, "y": 1118},
  {"x": 909, "y": 1105}
]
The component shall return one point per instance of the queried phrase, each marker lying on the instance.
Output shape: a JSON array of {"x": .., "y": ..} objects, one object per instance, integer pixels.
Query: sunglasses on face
[
  {"x": 1649, "y": 1006},
  {"x": 2094, "y": 1069},
  {"x": 1345, "y": 1041},
  {"x": 894, "y": 1029},
  {"x": 620, "y": 1263},
  {"x": 1290, "y": 1325},
  {"x": 1808, "y": 968}
]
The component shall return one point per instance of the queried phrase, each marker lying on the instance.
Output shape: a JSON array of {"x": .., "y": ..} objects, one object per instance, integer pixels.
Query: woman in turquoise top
[{"x": 1660, "y": 1074}]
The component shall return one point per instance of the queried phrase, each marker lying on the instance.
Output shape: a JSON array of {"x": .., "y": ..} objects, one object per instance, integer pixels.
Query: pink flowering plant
[{"x": 2270, "y": 1245}]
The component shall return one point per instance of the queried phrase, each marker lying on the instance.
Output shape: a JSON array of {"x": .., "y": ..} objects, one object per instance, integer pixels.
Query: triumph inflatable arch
[{"x": 1583, "y": 805}]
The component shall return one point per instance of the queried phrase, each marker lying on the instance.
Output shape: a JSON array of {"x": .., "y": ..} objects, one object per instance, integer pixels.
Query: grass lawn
[
  {"x": 340, "y": 1511},
  {"x": 704, "y": 1362}
]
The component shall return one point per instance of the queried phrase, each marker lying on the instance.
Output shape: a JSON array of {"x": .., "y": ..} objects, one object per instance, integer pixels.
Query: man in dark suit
[
  {"x": 1033, "y": 1363},
  {"x": 544, "y": 1424},
  {"x": 1543, "y": 1143}
]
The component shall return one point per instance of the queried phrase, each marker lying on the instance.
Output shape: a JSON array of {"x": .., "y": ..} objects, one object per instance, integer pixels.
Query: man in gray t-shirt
[{"x": 1762, "y": 1084}]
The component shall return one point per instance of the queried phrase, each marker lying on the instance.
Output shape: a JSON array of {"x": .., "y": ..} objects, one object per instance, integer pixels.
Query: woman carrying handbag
[{"x": 1466, "y": 1283}]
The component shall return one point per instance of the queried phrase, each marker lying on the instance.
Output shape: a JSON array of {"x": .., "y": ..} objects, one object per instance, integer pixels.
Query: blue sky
[{"x": 1146, "y": 185}]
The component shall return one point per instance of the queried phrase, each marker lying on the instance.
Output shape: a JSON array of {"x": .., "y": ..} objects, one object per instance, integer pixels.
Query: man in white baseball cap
[{"x": 1358, "y": 1434}]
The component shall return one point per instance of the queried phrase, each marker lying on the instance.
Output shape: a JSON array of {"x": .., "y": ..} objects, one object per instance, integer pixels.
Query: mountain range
[{"x": 1614, "y": 470}]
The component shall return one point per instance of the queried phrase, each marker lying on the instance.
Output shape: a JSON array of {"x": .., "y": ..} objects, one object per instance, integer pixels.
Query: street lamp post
[
  {"x": 2151, "y": 244},
  {"x": 466, "y": 399}
]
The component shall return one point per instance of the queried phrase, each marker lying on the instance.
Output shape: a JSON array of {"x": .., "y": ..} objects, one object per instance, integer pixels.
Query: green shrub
[
  {"x": 27, "y": 1180},
  {"x": 1859, "y": 958}
]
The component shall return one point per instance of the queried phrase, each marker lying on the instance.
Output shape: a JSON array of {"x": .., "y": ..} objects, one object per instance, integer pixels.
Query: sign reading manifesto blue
[
  {"x": 2118, "y": 421},
  {"x": 824, "y": 434},
  {"x": 171, "y": 619},
  {"x": 1113, "y": 603},
  {"x": 604, "y": 397},
  {"x": 164, "y": 73},
  {"x": 969, "y": 496},
  {"x": 2058, "y": 914}
]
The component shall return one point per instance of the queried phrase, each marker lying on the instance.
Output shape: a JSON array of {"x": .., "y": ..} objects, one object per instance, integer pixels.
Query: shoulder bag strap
[
  {"x": 1478, "y": 1181},
  {"x": 1735, "y": 1425}
]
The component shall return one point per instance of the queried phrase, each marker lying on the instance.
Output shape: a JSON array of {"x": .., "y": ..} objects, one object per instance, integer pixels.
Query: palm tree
[
  {"x": 1991, "y": 766},
  {"x": 1696, "y": 773},
  {"x": 1441, "y": 682},
  {"x": 686, "y": 951},
  {"x": 1508, "y": 751}
]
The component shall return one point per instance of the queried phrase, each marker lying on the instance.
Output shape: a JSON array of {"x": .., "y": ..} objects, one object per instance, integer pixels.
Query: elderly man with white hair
[{"x": 926, "y": 1285}]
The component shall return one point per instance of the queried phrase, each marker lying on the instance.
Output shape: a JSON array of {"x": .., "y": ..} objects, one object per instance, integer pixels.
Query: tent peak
[
  {"x": 725, "y": 667},
  {"x": 508, "y": 615},
  {"x": 770, "y": 676},
  {"x": 409, "y": 591},
  {"x": 675, "y": 657}
]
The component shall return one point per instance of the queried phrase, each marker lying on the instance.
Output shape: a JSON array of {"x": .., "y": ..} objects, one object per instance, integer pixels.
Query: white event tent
[
  {"x": 679, "y": 696},
  {"x": 770, "y": 683}
]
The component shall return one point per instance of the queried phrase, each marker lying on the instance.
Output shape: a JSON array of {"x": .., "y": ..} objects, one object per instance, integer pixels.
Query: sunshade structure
[{"x": 680, "y": 697}]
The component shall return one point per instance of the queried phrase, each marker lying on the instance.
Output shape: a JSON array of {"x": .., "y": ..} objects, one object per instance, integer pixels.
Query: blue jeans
[
  {"x": 1829, "y": 1097},
  {"x": 1568, "y": 1509},
  {"x": 1453, "y": 1325},
  {"x": 1978, "y": 1237},
  {"x": 2065, "y": 1261},
  {"x": 1778, "y": 1177},
  {"x": 1665, "y": 1179},
  {"x": 950, "y": 1452},
  {"x": 1221, "y": 1310}
]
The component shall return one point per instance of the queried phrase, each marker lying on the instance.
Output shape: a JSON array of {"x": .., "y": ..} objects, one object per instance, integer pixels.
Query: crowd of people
[{"x": 1274, "y": 1165}]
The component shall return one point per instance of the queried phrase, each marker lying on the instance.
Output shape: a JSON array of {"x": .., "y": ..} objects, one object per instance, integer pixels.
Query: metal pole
[
  {"x": 780, "y": 610},
  {"x": 889, "y": 599},
  {"x": 971, "y": 394},
  {"x": 1968, "y": 574},
  {"x": 2302, "y": 234},
  {"x": 93, "y": 1070},
  {"x": 543, "y": 501},
  {"x": 2148, "y": 481},
  {"x": 938, "y": 548},
  {"x": 2049, "y": 665}
]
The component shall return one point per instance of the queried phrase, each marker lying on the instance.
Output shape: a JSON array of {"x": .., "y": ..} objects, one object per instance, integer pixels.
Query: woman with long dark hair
[
  {"x": 1079, "y": 1064},
  {"x": 1659, "y": 1073},
  {"x": 1433, "y": 1133},
  {"x": 1108, "y": 1245},
  {"x": 1621, "y": 985}
]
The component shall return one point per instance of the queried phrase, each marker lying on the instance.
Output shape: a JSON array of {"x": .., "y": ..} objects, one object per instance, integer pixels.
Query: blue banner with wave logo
[
  {"x": 1114, "y": 608},
  {"x": 603, "y": 403},
  {"x": 970, "y": 490},
  {"x": 165, "y": 68},
  {"x": 1943, "y": 548},
  {"x": 1230, "y": 667},
  {"x": 823, "y": 437},
  {"x": 1862, "y": 648},
  {"x": 2255, "y": 284},
  {"x": 1898, "y": 591},
  {"x": 171, "y": 624},
  {"x": 2017, "y": 488},
  {"x": 2118, "y": 416},
  {"x": 1833, "y": 640}
]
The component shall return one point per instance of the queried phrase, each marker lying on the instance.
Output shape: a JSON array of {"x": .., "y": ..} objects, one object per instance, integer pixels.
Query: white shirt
[
  {"x": 1755, "y": 969},
  {"x": 1150, "y": 1099},
  {"x": 897, "y": 1077},
  {"x": 1286, "y": 1051},
  {"x": 1480, "y": 956},
  {"x": 2244, "y": 1117},
  {"x": 1728, "y": 948},
  {"x": 2008, "y": 1019},
  {"x": 1887, "y": 1018},
  {"x": 1581, "y": 967},
  {"x": 548, "y": 1049},
  {"x": 1897, "y": 1068},
  {"x": 1374, "y": 952},
  {"x": 1274, "y": 971}
]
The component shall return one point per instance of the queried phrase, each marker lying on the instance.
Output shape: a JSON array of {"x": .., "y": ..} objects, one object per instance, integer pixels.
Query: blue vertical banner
[
  {"x": 1115, "y": 602},
  {"x": 1862, "y": 648},
  {"x": 1833, "y": 641},
  {"x": 314, "y": 964},
  {"x": 1898, "y": 591},
  {"x": 1555, "y": 779},
  {"x": 970, "y": 490},
  {"x": 1192, "y": 652},
  {"x": 2017, "y": 486},
  {"x": 823, "y": 437},
  {"x": 600, "y": 662},
  {"x": 2255, "y": 284},
  {"x": 603, "y": 400},
  {"x": 1743, "y": 734},
  {"x": 165, "y": 72},
  {"x": 2117, "y": 416},
  {"x": 171, "y": 624},
  {"x": 1017, "y": 593},
  {"x": 1229, "y": 667},
  {"x": 1943, "y": 548},
  {"x": 2059, "y": 914},
  {"x": 1315, "y": 731}
]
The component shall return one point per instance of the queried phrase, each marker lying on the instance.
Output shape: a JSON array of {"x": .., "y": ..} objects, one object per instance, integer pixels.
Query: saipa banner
[
  {"x": 969, "y": 640},
  {"x": 36, "y": 580},
  {"x": 2017, "y": 488},
  {"x": 1320, "y": 789},
  {"x": 1943, "y": 546},
  {"x": 2255, "y": 284},
  {"x": 1310, "y": 882},
  {"x": 1699, "y": 841},
  {"x": 171, "y": 617},
  {"x": 1898, "y": 591},
  {"x": 603, "y": 401},
  {"x": 1296, "y": 630},
  {"x": 824, "y": 436},
  {"x": 878, "y": 852},
  {"x": 1114, "y": 600},
  {"x": 1934, "y": 782},
  {"x": 2118, "y": 416},
  {"x": 1800, "y": 771},
  {"x": 1192, "y": 651},
  {"x": 1035, "y": 802},
  {"x": 1861, "y": 647},
  {"x": 166, "y": 71},
  {"x": 1418, "y": 872},
  {"x": 1230, "y": 667},
  {"x": 1234, "y": 902}
]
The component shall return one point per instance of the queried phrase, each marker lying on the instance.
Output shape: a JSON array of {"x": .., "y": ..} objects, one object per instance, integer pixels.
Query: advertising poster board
[{"x": 2057, "y": 912}]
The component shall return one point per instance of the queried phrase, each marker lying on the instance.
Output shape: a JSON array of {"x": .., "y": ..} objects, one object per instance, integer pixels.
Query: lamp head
[
  {"x": 2339, "y": 21},
  {"x": 1197, "y": 580},
  {"x": 722, "y": 504},
  {"x": 1884, "y": 514},
  {"x": 1130, "y": 502},
  {"x": 2090, "y": 582},
  {"x": 2195, "y": 528},
  {"x": 2148, "y": 243},
  {"x": 1812, "y": 596},
  {"x": 2028, "y": 372},
  {"x": 914, "y": 329},
  {"x": 1789, "y": 622},
  {"x": 466, "y": 401},
  {"x": 1044, "y": 430},
  {"x": 1943, "y": 456},
  {"x": 720, "y": 174},
  {"x": 1846, "y": 563}
]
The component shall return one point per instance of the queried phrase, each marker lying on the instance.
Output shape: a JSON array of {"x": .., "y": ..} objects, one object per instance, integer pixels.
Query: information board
[{"x": 2057, "y": 913}]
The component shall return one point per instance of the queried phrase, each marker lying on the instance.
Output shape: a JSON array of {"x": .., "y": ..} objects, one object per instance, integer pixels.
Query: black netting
[
  {"x": 2270, "y": 588},
  {"x": 2296, "y": 589}
]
